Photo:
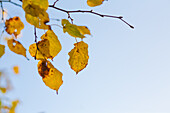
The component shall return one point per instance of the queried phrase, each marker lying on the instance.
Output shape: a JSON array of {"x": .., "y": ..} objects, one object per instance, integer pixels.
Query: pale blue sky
[{"x": 128, "y": 70}]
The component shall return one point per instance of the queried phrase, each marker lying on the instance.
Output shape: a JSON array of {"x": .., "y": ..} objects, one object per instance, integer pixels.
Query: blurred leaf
[
  {"x": 2, "y": 50},
  {"x": 3, "y": 89},
  {"x": 14, "y": 26},
  {"x": 16, "y": 47},
  {"x": 79, "y": 56},
  {"x": 50, "y": 75},
  {"x": 16, "y": 69},
  {"x": 13, "y": 107},
  {"x": 93, "y": 3}
]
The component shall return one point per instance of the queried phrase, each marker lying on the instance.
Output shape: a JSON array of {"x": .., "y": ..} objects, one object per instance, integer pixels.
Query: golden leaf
[
  {"x": 79, "y": 56},
  {"x": 42, "y": 52},
  {"x": 93, "y": 3},
  {"x": 14, "y": 26},
  {"x": 74, "y": 30},
  {"x": 16, "y": 47},
  {"x": 55, "y": 46},
  {"x": 35, "y": 13},
  {"x": 16, "y": 69},
  {"x": 3, "y": 89},
  {"x": 2, "y": 50},
  {"x": 50, "y": 75}
]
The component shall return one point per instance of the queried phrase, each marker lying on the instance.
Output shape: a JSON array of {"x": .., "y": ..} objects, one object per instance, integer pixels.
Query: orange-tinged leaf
[
  {"x": 42, "y": 52},
  {"x": 2, "y": 50},
  {"x": 50, "y": 75},
  {"x": 16, "y": 69},
  {"x": 3, "y": 89},
  {"x": 93, "y": 3},
  {"x": 35, "y": 13},
  {"x": 55, "y": 46},
  {"x": 16, "y": 47},
  {"x": 13, "y": 107},
  {"x": 78, "y": 56},
  {"x": 74, "y": 30},
  {"x": 14, "y": 26}
]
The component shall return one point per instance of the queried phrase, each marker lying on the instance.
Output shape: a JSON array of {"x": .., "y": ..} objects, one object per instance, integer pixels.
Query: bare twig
[
  {"x": 2, "y": 11},
  {"x": 91, "y": 12},
  {"x": 12, "y": 2},
  {"x": 55, "y": 2}
]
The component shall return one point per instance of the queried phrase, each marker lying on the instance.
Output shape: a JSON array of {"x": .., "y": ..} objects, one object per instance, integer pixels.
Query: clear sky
[{"x": 128, "y": 70}]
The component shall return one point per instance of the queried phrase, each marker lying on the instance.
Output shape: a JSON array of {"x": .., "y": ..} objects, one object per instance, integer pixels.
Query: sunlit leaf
[
  {"x": 84, "y": 30},
  {"x": 14, "y": 26},
  {"x": 2, "y": 50},
  {"x": 42, "y": 51},
  {"x": 93, "y": 3},
  {"x": 55, "y": 46},
  {"x": 35, "y": 13},
  {"x": 50, "y": 75},
  {"x": 74, "y": 30},
  {"x": 79, "y": 56},
  {"x": 16, "y": 69},
  {"x": 16, "y": 47}
]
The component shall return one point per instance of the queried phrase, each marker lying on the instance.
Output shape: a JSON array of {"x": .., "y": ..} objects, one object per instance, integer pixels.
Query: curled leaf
[
  {"x": 78, "y": 56},
  {"x": 93, "y": 3},
  {"x": 50, "y": 75},
  {"x": 14, "y": 26},
  {"x": 16, "y": 47},
  {"x": 74, "y": 30},
  {"x": 2, "y": 50}
]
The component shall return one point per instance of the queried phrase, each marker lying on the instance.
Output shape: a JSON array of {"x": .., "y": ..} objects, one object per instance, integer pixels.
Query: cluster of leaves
[
  {"x": 49, "y": 45},
  {"x": 6, "y": 104}
]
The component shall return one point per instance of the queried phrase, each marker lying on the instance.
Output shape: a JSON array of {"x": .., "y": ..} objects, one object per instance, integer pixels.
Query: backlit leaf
[
  {"x": 93, "y": 3},
  {"x": 16, "y": 47},
  {"x": 35, "y": 13},
  {"x": 14, "y": 26},
  {"x": 55, "y": 46},
  {"x": 2, "y": 50},
  {"x": 42, "y": 52},
  {"x": 74, "y": 30},
  {"x": 16, "y": 69},
  {"x": 79, "y": 56},
  {"x": 50, "y": 75}
]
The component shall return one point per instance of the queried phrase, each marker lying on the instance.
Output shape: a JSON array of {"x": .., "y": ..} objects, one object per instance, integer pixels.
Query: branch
[
  {"x": 91, "y": 12},
  {"x": 12, "y": 2}
]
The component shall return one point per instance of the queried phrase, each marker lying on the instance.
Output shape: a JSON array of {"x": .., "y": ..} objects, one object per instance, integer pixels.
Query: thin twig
[
  {"x": 91, "y": 12},
  {"x": 55, "y": 2},
  {"x": 2, "y": 11}
]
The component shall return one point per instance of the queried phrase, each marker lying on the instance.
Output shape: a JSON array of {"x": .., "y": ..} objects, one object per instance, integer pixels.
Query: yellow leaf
[
  {"x": 2, "y": 50},
  {"x": 93, "y": 3},
  {"x": 13, "y": 107},
  {"x": 79, "y": 56},
  {"x": 50, "y": 75},
  {"x": 84, "y": 30},
  {"x": 42, "y": 52},
  {"x": 55, "y": 46},
  {"x": 16, "y": 47},
  {"x": 35, "y": 13},
  {"x": 3, "y": 89},
  {"x": 74, "y": 30},
  {"x": 14, "y": 26},
  {"x": 16, "y": 69}
]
